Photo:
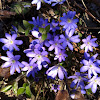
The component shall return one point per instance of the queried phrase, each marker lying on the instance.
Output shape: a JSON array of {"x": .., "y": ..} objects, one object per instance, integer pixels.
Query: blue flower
[
  {"x": 90, "y": 65},
  {"x": 54, "y": 26},
  {"x": 10, "y": 42},
  {"x": 39, "y": 57},
  {"x": 55, "y": 44},
  {"x": 30, "y": 68},
  {"x": 12, "y": 62},
  {"x": 32, "y": 46},
  {"x": 36, "y": 22},
  {"x": 79, "y": 80},
  {"x": 44, "y": 23},
  {"x": 60, "y": 55},
  {"x": 52, "y": 72},
  {"x": 38, "y": 2},
  {"x": 89, "y": 43},
  {"x": 69, "y": 38},
  {"x": 67, "y": 21},
  {"x": 93, "y": 82},
  {"x": 57, "y": 2}
]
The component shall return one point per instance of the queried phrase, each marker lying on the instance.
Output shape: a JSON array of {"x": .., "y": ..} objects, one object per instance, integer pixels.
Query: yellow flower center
[
  {"x": 13, "y": 61},
  {"x": 31, "y": 67},
  {"x": 11, "y": 42},
  {"x": 69, "y": 20}
]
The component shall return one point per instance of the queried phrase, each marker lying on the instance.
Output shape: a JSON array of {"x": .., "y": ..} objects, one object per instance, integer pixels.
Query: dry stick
[
  {"x": 85, "y": 8},
  {"x": 87, "y": 12}
]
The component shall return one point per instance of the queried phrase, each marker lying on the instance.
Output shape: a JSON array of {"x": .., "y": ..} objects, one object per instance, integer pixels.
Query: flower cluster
[
  {"x": 11, "y": 61},
  {"x": 47, "y": 45}
]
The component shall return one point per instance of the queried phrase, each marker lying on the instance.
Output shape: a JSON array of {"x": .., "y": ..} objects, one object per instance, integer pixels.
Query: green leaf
[
  {"x": 25, "y": 84},
  {"x": 47, "y": 28},
  {"x": 5, "y": 89},
  {"x": 80, "y": 34},
  {"x": 26, "y": 23},
  {"x": 20, "y": 29},
  {"x": 80, "y": 21},
  {"x": 27, "y": 32},
  {"x": 28, "y": 91},
  {"x": 17, "y": 9},
  {"x": 15, "y": 87},
  {"x": 44, "y": 36},
  {"x": 21, "y": 90},
  {"x": 89, "y": 91},
  {"x": 42, "y": 30}
]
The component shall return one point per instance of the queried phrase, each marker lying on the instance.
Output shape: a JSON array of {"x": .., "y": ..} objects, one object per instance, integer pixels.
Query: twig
[
  {"x": 68, "y": 4},
  {"x": 87, "y": 12},
  {"x": 85, "y": 8}
]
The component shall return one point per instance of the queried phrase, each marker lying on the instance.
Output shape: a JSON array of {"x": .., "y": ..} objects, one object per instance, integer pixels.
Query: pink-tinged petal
[
  {"x": 5, "y": 58},
  {"x": 84, "y": 69},
  {"x": 60, "y": 74},
  {"x": 94, "y": 87},
  {"x": 35, "y": 34},
  {"x": 51, "y": 48},
  {"x": 8, "y": 36},
  {"x": 12, "y": 69},
  {"x": 3, "y": 40},
  {"x": 14, "y": 36},
  {"x": 6, "y": 64}
]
